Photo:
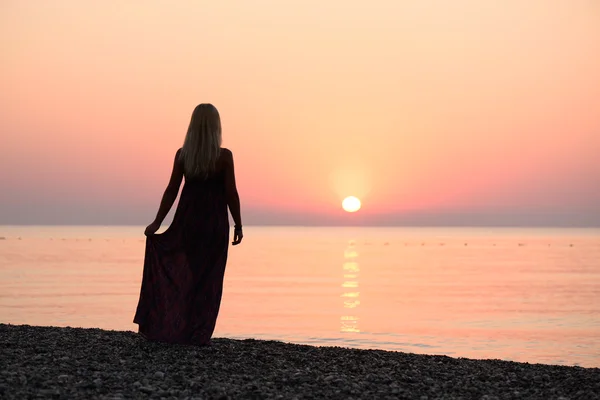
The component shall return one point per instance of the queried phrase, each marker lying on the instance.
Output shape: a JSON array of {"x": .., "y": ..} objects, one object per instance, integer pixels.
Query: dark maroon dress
[{"x": 184, "y": 267}]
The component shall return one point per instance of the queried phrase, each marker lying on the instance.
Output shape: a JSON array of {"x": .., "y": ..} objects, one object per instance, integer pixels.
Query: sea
[{"x": 519, "y": 294}]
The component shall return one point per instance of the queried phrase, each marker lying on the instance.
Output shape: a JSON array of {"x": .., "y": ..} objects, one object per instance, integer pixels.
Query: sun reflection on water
[{"x": 349, "y": 320}]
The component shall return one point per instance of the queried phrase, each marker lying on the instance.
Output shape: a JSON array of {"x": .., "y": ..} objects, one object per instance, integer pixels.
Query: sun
[{"x": 351, "y": 204}]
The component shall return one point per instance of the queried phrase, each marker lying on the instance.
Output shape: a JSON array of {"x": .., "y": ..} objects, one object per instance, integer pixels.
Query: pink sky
[{"x": 431, "y": 108}]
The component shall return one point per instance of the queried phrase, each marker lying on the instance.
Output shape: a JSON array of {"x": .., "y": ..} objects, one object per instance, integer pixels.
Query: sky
[{"x": 432, "y": 112}]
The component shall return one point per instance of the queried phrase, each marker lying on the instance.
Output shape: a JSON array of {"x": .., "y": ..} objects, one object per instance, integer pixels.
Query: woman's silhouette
[{"x": 184, "y": 266}]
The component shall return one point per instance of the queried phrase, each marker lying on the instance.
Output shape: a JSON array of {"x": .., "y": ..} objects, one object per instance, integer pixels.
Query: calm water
[{"x": 516, "y": 294}]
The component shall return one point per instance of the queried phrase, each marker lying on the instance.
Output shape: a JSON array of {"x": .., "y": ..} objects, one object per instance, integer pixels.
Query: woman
[{"x": 184, "y": 266}]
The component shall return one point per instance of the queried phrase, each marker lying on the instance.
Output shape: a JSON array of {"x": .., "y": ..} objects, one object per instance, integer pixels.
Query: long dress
[{"x": 184, "y": 267}]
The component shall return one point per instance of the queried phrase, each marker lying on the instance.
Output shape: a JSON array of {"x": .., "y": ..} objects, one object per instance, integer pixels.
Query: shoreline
[{"x": 55, "y": 362}]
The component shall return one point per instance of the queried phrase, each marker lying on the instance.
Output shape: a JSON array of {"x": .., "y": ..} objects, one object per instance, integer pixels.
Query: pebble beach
[{"x": 76, "y": 363}]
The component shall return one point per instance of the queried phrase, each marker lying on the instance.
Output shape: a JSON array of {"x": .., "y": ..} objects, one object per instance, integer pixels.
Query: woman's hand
[
  {"x": 152, "y": 228},
  {"x": 238, "y": 234}
]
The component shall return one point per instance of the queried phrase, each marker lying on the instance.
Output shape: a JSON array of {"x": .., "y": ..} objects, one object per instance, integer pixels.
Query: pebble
[
  {"x": 118, "y": 365},
  {"x": 146, "y": 389}
]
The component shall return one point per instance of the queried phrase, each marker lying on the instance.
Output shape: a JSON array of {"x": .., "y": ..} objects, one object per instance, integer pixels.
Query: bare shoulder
[
  {"x": 178, "y": 158},
  {"x": 226, "y": 154}
]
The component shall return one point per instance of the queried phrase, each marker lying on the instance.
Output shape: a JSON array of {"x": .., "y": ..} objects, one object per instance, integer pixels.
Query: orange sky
[{"x": 430, "y": 107}]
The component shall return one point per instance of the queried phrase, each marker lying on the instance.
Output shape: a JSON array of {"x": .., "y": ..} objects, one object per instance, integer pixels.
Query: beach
[{"x": 52, "y": 362}]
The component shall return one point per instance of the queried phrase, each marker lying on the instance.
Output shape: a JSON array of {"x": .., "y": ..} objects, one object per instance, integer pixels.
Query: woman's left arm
[{"x": 169, "y": 195}]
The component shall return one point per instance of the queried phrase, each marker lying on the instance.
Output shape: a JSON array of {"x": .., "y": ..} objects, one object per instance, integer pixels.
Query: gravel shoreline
[{"x": 75, "y": 363}]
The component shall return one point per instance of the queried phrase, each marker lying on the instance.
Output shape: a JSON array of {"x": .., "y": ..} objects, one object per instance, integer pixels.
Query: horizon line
[{"x": 284, "y": 225}]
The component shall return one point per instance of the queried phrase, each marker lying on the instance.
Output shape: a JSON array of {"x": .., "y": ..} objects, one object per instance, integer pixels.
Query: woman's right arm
[{"x": 233, "y": 198}]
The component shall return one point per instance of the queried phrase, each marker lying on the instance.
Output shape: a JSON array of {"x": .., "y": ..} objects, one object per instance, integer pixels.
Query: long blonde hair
[{"x": 202, "y": 144}]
